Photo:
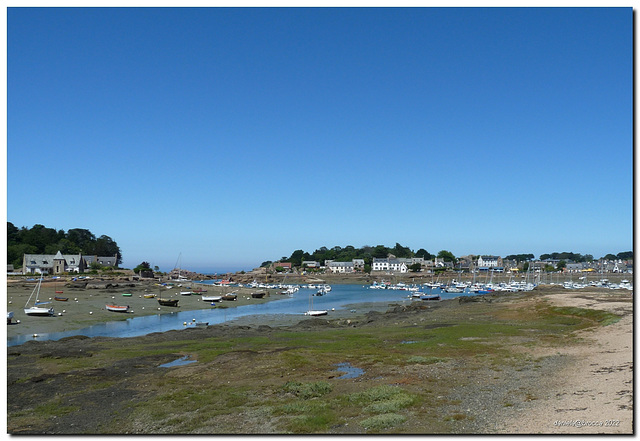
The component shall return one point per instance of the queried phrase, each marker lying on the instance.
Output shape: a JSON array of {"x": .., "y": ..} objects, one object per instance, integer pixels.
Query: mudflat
[
  {"x": 546, "y": 361},
  {"x": 86, "y": 302}
]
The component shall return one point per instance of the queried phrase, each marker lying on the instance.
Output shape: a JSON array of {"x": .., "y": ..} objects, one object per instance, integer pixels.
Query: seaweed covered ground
[{"x": 486, "y": 364}]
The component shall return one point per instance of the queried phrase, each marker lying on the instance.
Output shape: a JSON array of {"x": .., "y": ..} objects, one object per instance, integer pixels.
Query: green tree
[
  {"x": 424, "y": 254},
  {"x": 141, "y": 267},
  {"x": 13, "y": 234},
  {"x": 400, "y": 251},
  {"x": 561, "y": 265},
  {"x": 447, "y": 256},
  {"x": 83, "y": 238},
  {"x": 415, "y": 267},
  {"x": 625, "y": 255},
  {"x": 105, "y": 246},
  {"x": 16, "y": 252},
  {"x": 39, "y": 236},
  {"x": 380, "y": 252}
]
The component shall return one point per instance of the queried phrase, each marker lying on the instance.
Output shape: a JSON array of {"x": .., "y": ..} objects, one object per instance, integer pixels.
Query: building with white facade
[
  {"x": 488, "y": 261},
  {"x": 398, "y": 265},
  {"x": 380, "y": 264},
  {"x": 341, "y": 267}
]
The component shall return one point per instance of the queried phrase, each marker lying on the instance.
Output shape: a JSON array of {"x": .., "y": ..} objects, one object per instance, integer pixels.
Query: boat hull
[
  {"x": 168, "y": 302},
  {"x": 315, "y": 313},
  {"x": 211, "y": 298},
  {"x": 117, "y": 308},
  {"x": 38, "y": 311}
]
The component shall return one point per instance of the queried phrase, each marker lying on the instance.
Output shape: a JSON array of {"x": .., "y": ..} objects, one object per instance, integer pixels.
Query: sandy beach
[{"x": 593, "y": 393}]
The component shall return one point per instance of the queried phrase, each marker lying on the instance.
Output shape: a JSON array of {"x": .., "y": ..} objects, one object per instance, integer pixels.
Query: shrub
[
  {"x": 383, "y": 421},
  {"x": 307, "y": 390}
]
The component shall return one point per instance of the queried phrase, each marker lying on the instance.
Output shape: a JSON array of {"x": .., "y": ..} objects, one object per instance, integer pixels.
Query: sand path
[{"x": 594, "y": 393}]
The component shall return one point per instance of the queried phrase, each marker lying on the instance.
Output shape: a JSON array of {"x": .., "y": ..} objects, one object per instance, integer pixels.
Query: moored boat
[
  {"x": 117, "y": 308},
  {"x": 61, "y": 299},
  {"x": 316, "y": 313},
  {"x": 211, "y": 298},
  {"x": 168, "y": 302},
  {"x": 36, "y": 309},
  {"x": 230, "y": 297},
  {"x": 258, "y": 295}
]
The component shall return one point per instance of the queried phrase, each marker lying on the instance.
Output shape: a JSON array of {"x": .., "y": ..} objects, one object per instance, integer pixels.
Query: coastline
[
  {"x": 86, "y": 305},
  {"x": 508, "y": 363}
]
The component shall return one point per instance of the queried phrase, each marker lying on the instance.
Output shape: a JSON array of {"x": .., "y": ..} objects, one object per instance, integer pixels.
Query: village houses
[{"x": 63, "y": 263}]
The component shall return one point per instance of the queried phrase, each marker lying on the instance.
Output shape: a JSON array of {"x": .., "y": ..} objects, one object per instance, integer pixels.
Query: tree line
[
  {"x": 42, "y": 240},
  {"x": 577, "y": 257},
  {"x": 368, "y": 253}
]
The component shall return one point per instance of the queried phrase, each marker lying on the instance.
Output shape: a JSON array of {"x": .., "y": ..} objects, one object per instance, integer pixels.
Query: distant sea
[{"x": 221, "y": 270}]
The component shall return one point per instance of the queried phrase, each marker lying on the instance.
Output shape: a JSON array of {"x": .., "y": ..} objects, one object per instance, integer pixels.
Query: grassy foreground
[{"x": 438, "y": 368}]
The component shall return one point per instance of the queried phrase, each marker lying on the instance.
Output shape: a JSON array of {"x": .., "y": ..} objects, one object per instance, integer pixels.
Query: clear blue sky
[{"x": 235, "y": 136}]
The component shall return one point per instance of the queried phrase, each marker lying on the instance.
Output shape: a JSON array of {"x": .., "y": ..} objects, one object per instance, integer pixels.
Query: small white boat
[
  {"x": 9, "y": 317},
  {"x": 35, "y": 309},
  {"x": 316, "y": 312},
  {"x": 116, "y": 308},
  {"x": 185, "y": 293},
  {"x": 211, "y": 298}
]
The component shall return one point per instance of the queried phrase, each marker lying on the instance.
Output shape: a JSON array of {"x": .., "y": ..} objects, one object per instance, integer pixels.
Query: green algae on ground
[{"x": 284, "y": 381}]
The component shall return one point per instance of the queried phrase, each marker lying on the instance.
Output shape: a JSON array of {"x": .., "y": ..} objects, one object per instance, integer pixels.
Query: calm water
[{"x": 339, "y": 297}]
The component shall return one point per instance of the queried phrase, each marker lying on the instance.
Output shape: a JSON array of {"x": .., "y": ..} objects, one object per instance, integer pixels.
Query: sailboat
[
  {"x": 180, "y": 278},
  {"x": 36, "y": 309},
  {"x": 314, "y": 312}
]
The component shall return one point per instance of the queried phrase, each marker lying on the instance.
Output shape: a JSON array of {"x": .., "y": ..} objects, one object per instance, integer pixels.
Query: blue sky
[{"x": 235, "y": 136}]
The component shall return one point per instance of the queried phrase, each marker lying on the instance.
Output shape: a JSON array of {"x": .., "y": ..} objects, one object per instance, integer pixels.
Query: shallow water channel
[
  {"x": 179, "y": 362},
  {"x": 340, "y": 297}
]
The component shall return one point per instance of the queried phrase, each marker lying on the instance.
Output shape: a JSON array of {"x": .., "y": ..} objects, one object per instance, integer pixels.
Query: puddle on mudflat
[
  {"x": 179, "y": 362},
  {"x": 408, "y": 342},
  {"x": 350, "y": 371}
]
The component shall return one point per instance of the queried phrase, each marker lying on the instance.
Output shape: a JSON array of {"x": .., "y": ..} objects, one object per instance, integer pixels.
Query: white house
[
  {"x": 488, "y": 261},
  {"x": 341, "y": 267},
  {"x": 380, "y": 264},
  {"x": 398, "y": 265}
]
